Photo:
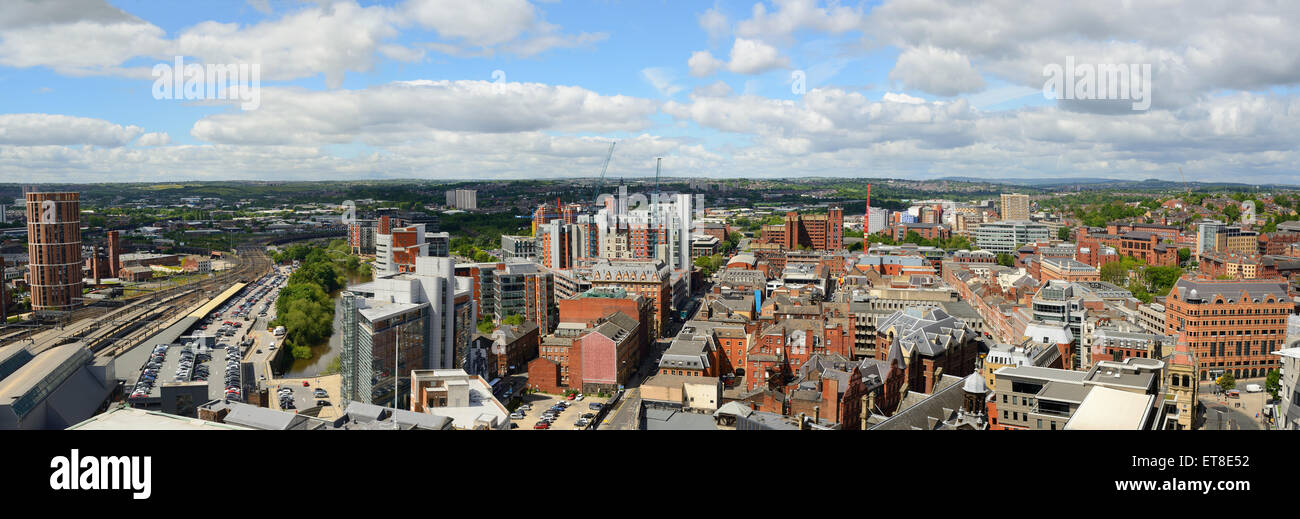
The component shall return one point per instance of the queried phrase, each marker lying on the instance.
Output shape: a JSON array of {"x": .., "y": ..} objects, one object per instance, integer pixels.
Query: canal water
[{"x": 327, "y": 350}]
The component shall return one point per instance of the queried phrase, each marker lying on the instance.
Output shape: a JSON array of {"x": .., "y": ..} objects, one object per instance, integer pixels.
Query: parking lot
[
  {"x": 566, "y": 419},
  {"x": 304, "y": 397}
]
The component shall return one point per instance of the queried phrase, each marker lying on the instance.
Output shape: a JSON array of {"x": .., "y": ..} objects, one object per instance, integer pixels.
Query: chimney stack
[
  {"x": 817, "y": 414},
  {"x": 865, "y": 413}
]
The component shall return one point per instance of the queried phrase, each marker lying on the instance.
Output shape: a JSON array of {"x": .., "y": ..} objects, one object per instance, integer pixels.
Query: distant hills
[{"x": 1112, "y": 183}]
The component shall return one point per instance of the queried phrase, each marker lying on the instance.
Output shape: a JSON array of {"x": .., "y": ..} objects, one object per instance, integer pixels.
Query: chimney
[
  {"x": 803, "y": 422},
  {"x": 817, "y": 414},
  {"x": 866, "y": 410}
]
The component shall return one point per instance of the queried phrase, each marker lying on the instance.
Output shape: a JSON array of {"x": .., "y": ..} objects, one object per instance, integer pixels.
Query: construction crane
[
  {"x": 600, "y": 183},
  {"x": 658, "y": 162}
]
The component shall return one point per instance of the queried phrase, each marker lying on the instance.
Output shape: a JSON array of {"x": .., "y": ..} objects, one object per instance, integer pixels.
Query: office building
[
  {"x": 1007, "y": 236},
  {"x": 429, "y": 308},
  {"x": 462, "y": 198},
  {"x": 1231, "y": 326},
  {"x": 813, "y": 231},
  {"x": 650, "y": 279},
  {"x": 54, "y": 251},
  {"x": 1015, "y": 207},
  {"x": 519, "y": 247}
]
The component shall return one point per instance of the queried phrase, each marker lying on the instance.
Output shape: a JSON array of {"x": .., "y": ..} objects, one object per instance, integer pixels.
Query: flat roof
[
  {"x": 132, "y": 419},
  {"x": 207, "y": 308},
  {"x": 1036, "y": 372},
  {"x": 1111, "y": 409}
]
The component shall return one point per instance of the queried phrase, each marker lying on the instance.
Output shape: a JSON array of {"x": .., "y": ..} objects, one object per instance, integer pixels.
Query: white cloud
[
  {"x": 795, "y": 15},
  {"x": 662, "y": 79},
  {"x": 330, "y": 39},
  {"x": 154, "y": 139},
  {"x": 703, "y": 64},
  {"x": 406, "y": 111},
  {"x": 936, "y": 71},
  {"x": 37, "y": 129},
  {"x": 755, "y": 57},
  {"x": 715, "y": 24},
  {"x": 484, "y": 27},
  {"x": 715, "y": 89}
]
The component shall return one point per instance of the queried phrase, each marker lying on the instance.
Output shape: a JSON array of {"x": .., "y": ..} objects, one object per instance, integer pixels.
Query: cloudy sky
[{"x": 485, "y": 89}]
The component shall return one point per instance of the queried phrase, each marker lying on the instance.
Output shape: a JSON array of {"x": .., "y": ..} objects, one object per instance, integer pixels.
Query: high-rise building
[
  {"x": 54, "y": 250},
  {"x": 1015, "y": 207},
  {"x": 462, "y": 198},
  {"x": 397, "y": 248},
  {"x": 361, "y": 236},
  {"x": 877, "y": 220},
  {"x": 429, "y": 307},
  {"x": 524, "y": 289}
]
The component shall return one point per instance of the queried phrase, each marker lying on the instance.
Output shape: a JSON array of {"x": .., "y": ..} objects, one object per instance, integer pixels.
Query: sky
[{"x": 519, "y": 89}]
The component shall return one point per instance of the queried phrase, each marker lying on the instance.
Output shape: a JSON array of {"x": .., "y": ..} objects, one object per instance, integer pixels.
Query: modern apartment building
[
  {"x": 1231, "y": 326},
  {"x": 54, "y": 251},
  {"x": 396, "y": 248}
]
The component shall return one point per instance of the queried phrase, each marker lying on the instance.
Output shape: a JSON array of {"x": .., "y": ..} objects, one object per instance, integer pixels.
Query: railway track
[{"x": 95, "y": 322}]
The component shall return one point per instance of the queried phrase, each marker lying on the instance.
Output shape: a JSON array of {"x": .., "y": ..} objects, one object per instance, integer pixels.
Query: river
[{"x": 325, "y": 351}]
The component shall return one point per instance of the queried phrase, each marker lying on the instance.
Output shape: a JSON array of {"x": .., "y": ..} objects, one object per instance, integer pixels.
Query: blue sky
[{"x": 918, "y": 89}]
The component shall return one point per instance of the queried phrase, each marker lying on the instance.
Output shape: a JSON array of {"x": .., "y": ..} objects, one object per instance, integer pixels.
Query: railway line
[{"x": 107, "y": 330}]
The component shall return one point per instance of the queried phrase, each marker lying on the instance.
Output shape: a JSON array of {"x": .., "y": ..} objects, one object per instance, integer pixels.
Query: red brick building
[
  {"x": 815, "y": 231},
  {"x": 1231, "y": 326}
]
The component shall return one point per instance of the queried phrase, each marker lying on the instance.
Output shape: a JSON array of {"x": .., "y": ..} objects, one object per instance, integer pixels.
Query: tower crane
[{"x": 600, "y": 183}]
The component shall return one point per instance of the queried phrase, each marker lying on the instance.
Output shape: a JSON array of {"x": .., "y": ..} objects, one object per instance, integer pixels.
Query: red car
[
  {"x": 570, "y": 397},
  {"x": 542, "y": 425},
  {"x": 305, "y": 384}
]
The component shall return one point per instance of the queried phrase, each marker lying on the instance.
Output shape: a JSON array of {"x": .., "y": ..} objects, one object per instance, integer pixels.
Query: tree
[
  {"x": 1227, "y": 381},
  {"x": 513, "y": 320},
  {"x": 1114, "y": 272},
  {"x": 1273, "y": 384},
  {"x": 1184, "y": 254},
  {"x": 1231, "y": 213},
  {"x": 1006, "y": 260},
  {"x": 1063, "y": 233}
]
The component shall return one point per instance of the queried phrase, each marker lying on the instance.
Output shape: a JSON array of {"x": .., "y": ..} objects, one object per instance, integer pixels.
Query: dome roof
[{"x": 974, "y": 384}]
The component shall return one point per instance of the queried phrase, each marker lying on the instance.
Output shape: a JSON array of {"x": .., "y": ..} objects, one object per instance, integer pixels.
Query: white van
[{"x": 1254, "y": 388}]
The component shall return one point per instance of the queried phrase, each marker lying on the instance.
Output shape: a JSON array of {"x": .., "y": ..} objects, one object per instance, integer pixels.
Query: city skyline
[{"x": 773, "y": 89}]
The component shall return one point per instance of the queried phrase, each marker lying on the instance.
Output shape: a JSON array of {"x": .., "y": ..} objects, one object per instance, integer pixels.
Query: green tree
[
  {"x": 1184, "y": 254},
  {"x": 1227, "y": 381},
  {"x": 1115, "y": 272},
  {"x": 1063, "y": 233},
  {"x": 1231, "y": 213},
  {"x": 513, "y": 320},
  {"x": 1006, "y": 260},
  {"x": 1273, "y": 383}
]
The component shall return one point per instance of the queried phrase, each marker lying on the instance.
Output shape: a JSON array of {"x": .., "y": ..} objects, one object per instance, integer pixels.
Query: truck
[
  {"x": 279, "y": 331},
  {"x": 1254, "y": 388}
]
